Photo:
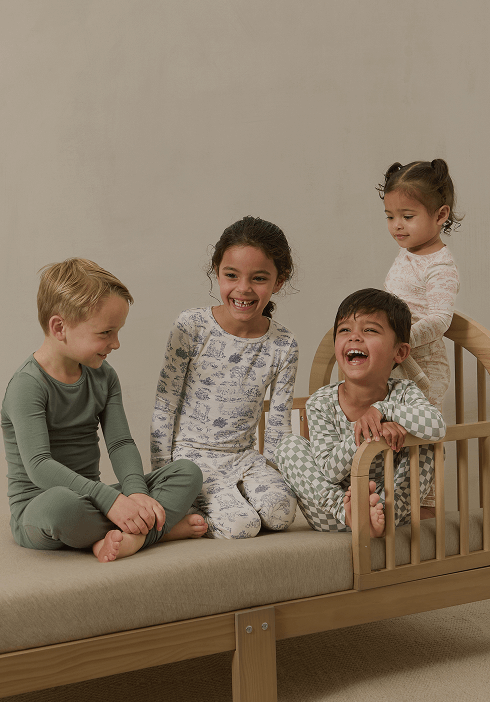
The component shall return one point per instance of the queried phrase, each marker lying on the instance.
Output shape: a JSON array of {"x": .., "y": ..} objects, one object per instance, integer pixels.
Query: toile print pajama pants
[{"x": 240, "y": 494}]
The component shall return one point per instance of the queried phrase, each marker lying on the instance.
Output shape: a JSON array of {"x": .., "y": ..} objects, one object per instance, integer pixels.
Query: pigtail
[
  {"x": 445, "y": 188},
  {"x": 381, "y": 188}
]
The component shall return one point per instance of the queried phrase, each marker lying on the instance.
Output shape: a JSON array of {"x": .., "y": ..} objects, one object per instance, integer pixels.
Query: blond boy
[{"x": 51, "y": 412}]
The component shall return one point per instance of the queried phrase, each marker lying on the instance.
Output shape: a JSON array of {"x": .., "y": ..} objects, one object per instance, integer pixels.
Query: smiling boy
[
  {"x": 50, "y": 416},
  {"x": 371, "y": 334}
]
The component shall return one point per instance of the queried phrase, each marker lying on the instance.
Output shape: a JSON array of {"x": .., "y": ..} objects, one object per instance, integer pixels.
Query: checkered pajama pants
[{"x": 314, "y": 491}]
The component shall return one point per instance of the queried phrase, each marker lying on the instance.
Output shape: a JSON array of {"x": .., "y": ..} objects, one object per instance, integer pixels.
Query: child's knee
[
  {"x": 243, "y": 526},
  {"x": 191, "y": 472}
]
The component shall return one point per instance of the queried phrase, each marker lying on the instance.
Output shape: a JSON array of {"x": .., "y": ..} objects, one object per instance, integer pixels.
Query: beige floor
[{"x": 441, "y": 656}]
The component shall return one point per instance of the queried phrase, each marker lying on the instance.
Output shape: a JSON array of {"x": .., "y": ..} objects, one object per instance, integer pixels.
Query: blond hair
[{"x": 73, "y": 288}]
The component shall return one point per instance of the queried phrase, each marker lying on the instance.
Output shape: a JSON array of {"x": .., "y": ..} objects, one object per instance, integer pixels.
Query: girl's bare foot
[
  {"x": 427, "y": 512},
  {"x": 192, "y": 526},
  {"x": 107, "y": 549}
]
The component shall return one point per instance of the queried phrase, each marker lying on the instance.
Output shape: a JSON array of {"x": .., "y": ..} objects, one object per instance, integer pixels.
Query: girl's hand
[
  {"x": 394, "y": 435},
  {"x": 125, "y": 513},
  {"x": 148, "y": 505},
  {"x": 369, "y": 425}
]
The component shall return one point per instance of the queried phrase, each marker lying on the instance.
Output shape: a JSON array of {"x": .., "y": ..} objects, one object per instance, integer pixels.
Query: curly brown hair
[{"x": 253, "y": 231}]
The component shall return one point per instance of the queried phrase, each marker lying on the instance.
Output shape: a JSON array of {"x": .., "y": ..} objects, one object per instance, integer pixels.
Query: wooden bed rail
[{"x": 364, "y": 577}]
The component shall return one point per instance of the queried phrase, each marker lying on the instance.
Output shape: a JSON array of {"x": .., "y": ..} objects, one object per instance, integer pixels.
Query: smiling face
[
  {"x": 90, "y": 342},
  {"x": 366, "y": 348},
  {"x": 247, "y": 278},
  {"x": 411, "y": 225}
]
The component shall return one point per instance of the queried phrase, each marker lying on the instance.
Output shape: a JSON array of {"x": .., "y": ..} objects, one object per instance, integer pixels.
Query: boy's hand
[
  {"x": 125, "y": 513},
  {"x": 369, "y": 425},
  {"x": 394, "y": 435},
  {"x": 150, "y": 506}
]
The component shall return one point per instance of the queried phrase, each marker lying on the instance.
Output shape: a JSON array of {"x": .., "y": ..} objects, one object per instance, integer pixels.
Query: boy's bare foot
[
  {"x": 377, "y": 516},
  {"x": 376, "y": 513},
  {"x": 192, "y": 526},
  {"x": 427, "y": 512},
  {"x": 117, "y": 544},
  {"x": 107, "y": 549},
  {"x": 348, "y": 507}
]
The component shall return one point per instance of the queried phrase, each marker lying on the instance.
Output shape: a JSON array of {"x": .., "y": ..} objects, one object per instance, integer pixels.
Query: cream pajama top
[{"x": 429, "y": 285}]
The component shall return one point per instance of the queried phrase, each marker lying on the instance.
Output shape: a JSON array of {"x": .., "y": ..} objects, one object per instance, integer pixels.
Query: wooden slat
[
  {"x": 463, "y": 497},
  {"x": 261, "y": 432},
  {"x": 486, "y": 492},
  {"x": 389, "y": 509},
  {"x": 303, "y": 424},
  {"x": 459, "y": 383},
  {"x": 481, "y": 375},
  {"x": 414, "y": 505},
  {"x": 440, "y": 501},
  {"x": 361, "y": 540}
]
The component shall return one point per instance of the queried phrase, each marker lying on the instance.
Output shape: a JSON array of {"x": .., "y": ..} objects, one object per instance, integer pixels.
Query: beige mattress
[{"x": 50, "y": 597}]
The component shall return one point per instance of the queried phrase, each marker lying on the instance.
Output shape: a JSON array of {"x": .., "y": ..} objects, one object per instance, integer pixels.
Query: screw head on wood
[
  {"x": 265, "y": 626},
  {"x": 248, "y": 629}
]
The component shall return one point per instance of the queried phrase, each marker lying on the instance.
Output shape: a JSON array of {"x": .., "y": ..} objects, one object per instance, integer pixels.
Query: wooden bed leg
[{"x": 254, "y": 660}]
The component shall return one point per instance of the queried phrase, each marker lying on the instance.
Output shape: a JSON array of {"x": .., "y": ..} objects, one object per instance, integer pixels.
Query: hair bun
[
  {"x": 391, "y": 170},
  {"x": 440, "y": 168}
]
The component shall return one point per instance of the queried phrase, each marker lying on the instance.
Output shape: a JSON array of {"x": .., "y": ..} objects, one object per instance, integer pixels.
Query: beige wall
[{"x": 134, "y": 131}]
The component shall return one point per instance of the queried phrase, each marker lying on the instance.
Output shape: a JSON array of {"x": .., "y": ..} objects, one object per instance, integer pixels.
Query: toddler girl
[
  {"x": 419, "y": 203},
  {"x": 218, "y": 365}
]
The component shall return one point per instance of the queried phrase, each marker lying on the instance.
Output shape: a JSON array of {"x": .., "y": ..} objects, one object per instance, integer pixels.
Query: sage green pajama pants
[{"x": 60, "y": 517}]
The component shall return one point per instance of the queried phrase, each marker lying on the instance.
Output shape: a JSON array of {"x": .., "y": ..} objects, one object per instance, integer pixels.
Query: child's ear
[
  {"x": 443, "y": 214},
  {"x": 402, "y": 351},
  {"x": 278, "y": 285},
  {"x": 57, "y": 327}
]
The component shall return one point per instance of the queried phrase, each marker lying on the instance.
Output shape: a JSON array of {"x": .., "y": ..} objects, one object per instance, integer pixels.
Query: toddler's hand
[
  {"x": 151, "y": 508},
  {"x": 394, "y": 435},
  {"x": 125, "y": 513},
  {"x": 368, "y": 425}
]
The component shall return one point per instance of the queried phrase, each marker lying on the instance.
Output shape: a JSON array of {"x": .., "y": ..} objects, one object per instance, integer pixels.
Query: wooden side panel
[{"x": 62, "y": 664}]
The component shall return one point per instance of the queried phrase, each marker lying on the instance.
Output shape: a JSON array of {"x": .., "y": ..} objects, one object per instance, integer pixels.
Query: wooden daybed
[{"x": 66, "y": 618}]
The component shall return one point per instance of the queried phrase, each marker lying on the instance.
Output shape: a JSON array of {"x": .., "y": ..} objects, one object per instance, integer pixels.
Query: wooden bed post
[{"x": 254, "y": 661}]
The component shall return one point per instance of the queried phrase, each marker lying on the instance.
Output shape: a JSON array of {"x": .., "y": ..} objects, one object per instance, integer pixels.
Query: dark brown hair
[
  {"x": 371, "y": 300},
  {"x": 253, "y": 231},
  {"x": 428, "y": 182}
]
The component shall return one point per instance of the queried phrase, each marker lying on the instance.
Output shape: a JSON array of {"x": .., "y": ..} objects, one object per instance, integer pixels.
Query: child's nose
[
  {"x": 115, "y": 343},
  {"x": 243, "y": 286}
]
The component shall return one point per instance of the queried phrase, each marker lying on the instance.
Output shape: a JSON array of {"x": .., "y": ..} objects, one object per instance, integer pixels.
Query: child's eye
[
  {"x": 371, "y": 330},
  {"x": 408, "y": 216},
  {"x": 230, "y": 275},
  {"x": 260, "y": 279},
  {"x": 342, "y": 329}
]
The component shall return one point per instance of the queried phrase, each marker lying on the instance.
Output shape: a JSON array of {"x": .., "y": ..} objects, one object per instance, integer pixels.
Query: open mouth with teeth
[
  {"x": 243, "y": 304},
  {"x": 356, "y": 356}
]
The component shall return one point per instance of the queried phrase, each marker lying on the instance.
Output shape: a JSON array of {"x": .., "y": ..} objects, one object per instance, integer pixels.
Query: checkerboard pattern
[{"x": 321, "y": 501}]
